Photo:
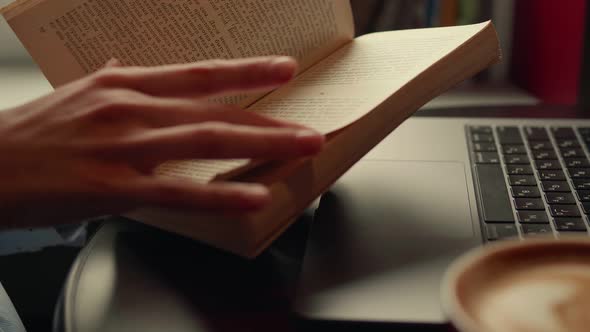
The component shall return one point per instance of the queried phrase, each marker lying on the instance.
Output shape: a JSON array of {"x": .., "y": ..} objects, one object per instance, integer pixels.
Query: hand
[{"x": 90, "y": 147}]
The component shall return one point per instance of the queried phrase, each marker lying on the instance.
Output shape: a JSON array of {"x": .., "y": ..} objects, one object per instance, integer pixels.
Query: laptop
[{"x": 384, "y": 234}]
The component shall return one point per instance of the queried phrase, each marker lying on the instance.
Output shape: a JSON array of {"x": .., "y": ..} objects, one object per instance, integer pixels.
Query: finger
[
  {"x": 212, "y": 197},
  {"x": 162, "y": 112},
  {"x": 205, "y": 78},
  {"x": 218, "y": 140},
  {"x": 168, "y": 112}
]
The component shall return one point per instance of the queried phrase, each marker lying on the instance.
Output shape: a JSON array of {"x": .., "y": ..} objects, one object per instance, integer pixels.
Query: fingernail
[
  {"x": 257, "y": 190},
  {"x": 113, "y": 62},
  {"x": 283, "y": 67},
  {"x": 258, "y": 196},
  {"x": 307, "y": 133},
  {"x": 310, "y": 141}
]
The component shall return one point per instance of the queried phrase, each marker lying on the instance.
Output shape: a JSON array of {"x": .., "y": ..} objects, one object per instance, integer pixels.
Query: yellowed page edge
[
  {"x": 349, "y": 83},
  {"x": 15, "y": 8}
]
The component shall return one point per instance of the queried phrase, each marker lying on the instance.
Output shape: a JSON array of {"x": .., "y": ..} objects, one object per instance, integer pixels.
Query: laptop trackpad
[{"x": 381, "y": 240}]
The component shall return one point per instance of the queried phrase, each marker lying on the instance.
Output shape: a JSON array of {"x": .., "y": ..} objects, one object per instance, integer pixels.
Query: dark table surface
[{"x": 131, "y": 277}]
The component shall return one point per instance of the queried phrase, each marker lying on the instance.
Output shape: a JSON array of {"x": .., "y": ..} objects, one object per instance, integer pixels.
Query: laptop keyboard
[{"x": 531, "y": 180}]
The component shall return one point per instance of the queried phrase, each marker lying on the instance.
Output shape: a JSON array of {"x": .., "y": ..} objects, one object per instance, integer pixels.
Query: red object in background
[{"x": 548, "y": 48}]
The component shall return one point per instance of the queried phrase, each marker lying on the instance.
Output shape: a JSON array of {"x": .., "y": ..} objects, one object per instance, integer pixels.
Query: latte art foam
[
  {"x": 550, "y": 298},
  {"x": 540, "y": 285}
]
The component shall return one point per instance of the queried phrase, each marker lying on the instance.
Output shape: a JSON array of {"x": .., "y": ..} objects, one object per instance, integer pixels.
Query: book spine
[
  {"x": 503, "y": 18},
  {"x": 584, "y": 99},
  {"x": 433, "y": 13},
  {"x": 449, "y": 10},
  {"x": 468, "y": 12},
  {"x": 547, "y": 48}
]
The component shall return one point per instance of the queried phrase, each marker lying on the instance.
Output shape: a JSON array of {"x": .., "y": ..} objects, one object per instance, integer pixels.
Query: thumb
[{"x": 113, "y": 62}]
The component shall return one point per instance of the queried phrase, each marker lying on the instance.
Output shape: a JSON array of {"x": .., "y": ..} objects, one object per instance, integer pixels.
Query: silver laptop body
[{"x": 383, "y": 236}]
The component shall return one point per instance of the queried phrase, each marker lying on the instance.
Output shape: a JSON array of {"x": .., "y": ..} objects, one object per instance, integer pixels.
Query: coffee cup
[{"x": 538, "y": 285}]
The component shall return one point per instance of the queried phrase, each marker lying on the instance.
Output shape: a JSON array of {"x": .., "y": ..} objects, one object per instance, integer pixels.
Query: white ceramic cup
[{"x": 536, "y": 285}]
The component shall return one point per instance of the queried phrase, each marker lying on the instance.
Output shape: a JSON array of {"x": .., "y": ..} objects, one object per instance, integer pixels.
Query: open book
[{"x": 356, "y": 91}]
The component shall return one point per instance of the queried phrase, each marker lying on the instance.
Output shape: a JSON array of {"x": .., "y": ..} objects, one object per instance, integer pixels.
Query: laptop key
[
  {"x": 536, "y": 134},
  {"x": 586, "y": 207},
  {"x": 568, "y": 143},
  {"x": 493, "y": 193},
  {"x": 522, "y": 180},
  {"x": 559, "y": 210},
  {"x": 487, "y": 158},
  {"x": 509, "y": 135},
  {"x": 530, "y": 230},
  {"x": 525, "y": 192},
  {"x": 495, "y": 232},
  {"x": 560, "y": 198},
  {"x": 517, "y": 159},
  {"x": 552, "y": 175},
  {"x": 513, "y": 149},
  {"x": 519, "y": 170},
  {"x": 482, "y": 138},
  {"x": 583, "y": 195},
  {"x": 542, "y": 145},
  {"x": 484, "y": 147},
  {"x": 544, "y": 155},
  {"x": 579, "y": 173},
  {"x": 570, "y": 224},
  {"x": 563, "y": 132},
  {"x": 576, "y": 162},
  {"x": 555, "y": 186},
  {"x": 529, "y": 204},
  {"x": 480, "y": 130},
  {"x": 582, "y": 184},
  {"x": 572, "y": 153},
  {"x": 547, "y": 164},
  {"x": 532, "y": 217}
]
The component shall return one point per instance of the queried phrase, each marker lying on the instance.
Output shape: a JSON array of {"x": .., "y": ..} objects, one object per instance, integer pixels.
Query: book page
[
  {"x": 71, "y": 38},
  {"x": 343, "y": 87},
  {"x": 201, "y": 171},
  {"x": 355, "y": 79}
]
